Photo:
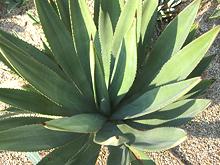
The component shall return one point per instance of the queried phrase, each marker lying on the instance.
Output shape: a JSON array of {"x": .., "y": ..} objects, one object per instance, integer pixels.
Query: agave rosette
[{"x": 104, "y": 81}]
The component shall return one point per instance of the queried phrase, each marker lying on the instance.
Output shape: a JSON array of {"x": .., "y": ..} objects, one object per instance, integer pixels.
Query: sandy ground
[{"x": 203, "y": 144}]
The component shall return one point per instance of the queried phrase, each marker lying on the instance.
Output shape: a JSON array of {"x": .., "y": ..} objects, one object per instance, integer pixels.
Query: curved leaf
[
  {"x": 124, "y": 23},
  {"x": 12, "y": 122},
  {"x": 155, "y": 99},
  {"x": 63, "y": 10},
  {"x": 99, "y": 87},
  {"x": 63, "y": 154},
  {"x": 62, "y": 46},
  {"x": 186, "y": 59},
  {"x": 157, "y": 139},
  {"x": 192, "y": 34},
  {"x": 82, "y": 123},
  {"x": 118, "y": 155},
  {"x": 171, "y": 40},
  {"x": 46, "y": 81},
  {"x": 82, "y": 28},
  {"x": 87, "y": 155},
  {"x": 31, "y": 101},
  {"x": 17, "y": 44},
  {"x": 106, "y": 37},
  {"x": 199, "y": 89},
  {"x": 202, "y": 66},
  {"x": 175, "y": 114},
  {"x": 125, "y": 66},
  {"x": 110, "y": 135},
  {"x": 33, "y": 138},
  {"x": 139, "y": 157}
]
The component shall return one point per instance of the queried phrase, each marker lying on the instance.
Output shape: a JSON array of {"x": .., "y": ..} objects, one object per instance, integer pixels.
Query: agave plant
[{"x": 102, "y": 82}]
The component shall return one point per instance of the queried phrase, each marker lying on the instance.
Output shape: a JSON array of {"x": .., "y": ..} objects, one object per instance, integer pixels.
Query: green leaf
[
  {"x": 96, "y": 11},
  {"x": 33, "y": 138},
  {"x": 106, "y": 37},
  {"x": 202, "y": 66},
  {"x": 155, "y": 99},
  {"x": 82, "y": 28},
  {"x": 32, "y": 102},
  {"x": 46, "y": 81},
  {"x": 124, "y": 23},
  {"x": 62, "y": 46},
  {"x": 199, "y": 89},
  {"x": 99, "y": 86},
  {"x": 139, "y": 157},
  {"x": 2, "y": 59},
  {"x": 109, "y": 134},
  {"x": 154, "y": 140},
  {"x": 171, "y": 40},
  {"x": 149, "y": 9},
  {"x": 17, "y": 44},
  {"x": 63, "y": 9},
  {"x": 12, "y": 122},
  {"x": 192, "y": 34},
  {"x": 148, "y": 22},
  {"x": 113, "y": 9},
  {"x": 186, "y": 59},
  {"x": 87, "y": 155},
  {"x": 175, "y": 114},
  {"x": 118, "y": 155},
  {"x": 125, "y": 66},
  {"x": 62, "y": 154},
  {"x": 82, "y": 123}
]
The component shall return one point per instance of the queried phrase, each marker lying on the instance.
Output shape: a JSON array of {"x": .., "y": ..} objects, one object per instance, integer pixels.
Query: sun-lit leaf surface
[
  {"x": 174, "y": 114},
  {"x": 171, "y": 40},
  {"x": 82, "y": 123},
  {"x": 154, "y": 140},
  {"x": 62, "y": 46},
  {"x": 155, "y": 99}
]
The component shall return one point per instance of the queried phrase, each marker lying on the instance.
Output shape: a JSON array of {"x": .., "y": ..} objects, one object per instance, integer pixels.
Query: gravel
[{"x": 203, "y": 144}]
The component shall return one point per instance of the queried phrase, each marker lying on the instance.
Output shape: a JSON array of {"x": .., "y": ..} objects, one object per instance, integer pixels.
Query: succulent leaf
[
  {"x": 171, "y": 40},
  {"x": 33, "y": 138},
  {"x": 106, "y": 38},
  {"x": 139, "y": 157},
  {"x": 17, "y": 44},
  {"x": 155, "y": 99},
  {"x": 31, "y": 101},
  {"x": 82, "y": 123},
  {"x": 62, "y": 46},
  {"x": 125, "y": 66},
  {"x": 87, "y": 155},
  {"x": 98, "y": 80},
  {"x": 63, "y": 10},
  {"x": 199, "y": 89},
  {"x": 44, "y": 79},
  {"x": 110, "y": 135},
  {"x": 175, "y": 114},
  {"x": 62, "y": 154},
  {"x": 123, "y": 25},
  {"x": 155, "y": 139},
  {"x": 186, "y": 59},
  {"x": 202, "y": 66},
  {"x": 118, "y": 155},
  {"x": 13, "y": 122}
]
